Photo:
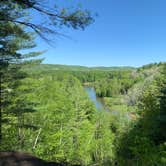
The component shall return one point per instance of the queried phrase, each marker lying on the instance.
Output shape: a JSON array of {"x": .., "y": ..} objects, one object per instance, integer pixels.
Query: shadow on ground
[{"x": 24, "y": 159}]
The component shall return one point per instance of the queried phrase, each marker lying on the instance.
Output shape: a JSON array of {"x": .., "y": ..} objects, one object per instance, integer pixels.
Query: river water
[{"x": 96, "y": 100}]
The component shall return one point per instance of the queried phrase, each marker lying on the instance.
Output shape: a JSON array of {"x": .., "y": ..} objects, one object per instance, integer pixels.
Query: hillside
[
  {"x": 58, "y": 67},
  {"x": 56, "y": 120}
]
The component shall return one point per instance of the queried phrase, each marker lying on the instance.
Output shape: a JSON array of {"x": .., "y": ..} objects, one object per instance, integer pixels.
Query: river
[{"x": 96, "y": 100}]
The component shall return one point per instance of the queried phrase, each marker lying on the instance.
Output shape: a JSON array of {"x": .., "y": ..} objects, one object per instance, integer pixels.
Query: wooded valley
[
  {"x": 54, "y": 118},
  {"x": 47, "y": 112}
]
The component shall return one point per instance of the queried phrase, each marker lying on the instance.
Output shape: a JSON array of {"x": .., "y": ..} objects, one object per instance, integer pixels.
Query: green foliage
[
  {"x": 13, "y": 38},
  {"x": 17, "y": 129},
  {"x": 66, "y": 127},
  {"x": 144, "y": 143},
  {"x": 47, "y": 112}
]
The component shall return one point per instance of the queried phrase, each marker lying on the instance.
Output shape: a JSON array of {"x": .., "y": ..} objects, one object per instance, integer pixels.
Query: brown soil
[{"x": 24, "y": 159}]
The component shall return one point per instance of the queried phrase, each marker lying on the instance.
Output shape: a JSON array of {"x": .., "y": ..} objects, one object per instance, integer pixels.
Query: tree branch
[{"x": 39, "y": 29}]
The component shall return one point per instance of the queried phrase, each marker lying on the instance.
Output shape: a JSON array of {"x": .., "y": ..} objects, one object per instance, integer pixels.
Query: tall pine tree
[{"x": 14, "y": 37}]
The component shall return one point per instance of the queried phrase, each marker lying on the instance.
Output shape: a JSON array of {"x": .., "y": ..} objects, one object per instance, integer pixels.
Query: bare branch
[{"x": 37, "y": 138}]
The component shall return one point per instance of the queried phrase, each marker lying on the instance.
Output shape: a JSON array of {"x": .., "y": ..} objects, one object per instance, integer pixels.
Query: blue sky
[{"x": 126, "y": 33}]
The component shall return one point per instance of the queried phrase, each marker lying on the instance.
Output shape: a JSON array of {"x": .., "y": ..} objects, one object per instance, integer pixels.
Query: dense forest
[
  {"x": 58, "y": 121},
  {"x": 45, "y": 110}
]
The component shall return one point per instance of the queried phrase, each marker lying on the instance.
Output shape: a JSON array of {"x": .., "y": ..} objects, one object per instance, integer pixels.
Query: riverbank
[
  {"x": 115, "y": 105},
  {"x": 98, "y": 102}
]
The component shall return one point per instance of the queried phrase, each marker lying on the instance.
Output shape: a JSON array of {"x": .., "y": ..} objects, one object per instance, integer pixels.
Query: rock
[{"x": 23, "y": 159}]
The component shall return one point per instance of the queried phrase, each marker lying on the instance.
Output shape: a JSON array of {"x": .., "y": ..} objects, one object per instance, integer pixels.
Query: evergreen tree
[{"x": 14, "y": 38}]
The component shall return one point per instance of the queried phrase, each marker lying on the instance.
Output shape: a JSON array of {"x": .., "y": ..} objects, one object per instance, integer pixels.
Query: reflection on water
[
  {"x": 100, "y": 104},
  {"x": 97, "y": 101}
]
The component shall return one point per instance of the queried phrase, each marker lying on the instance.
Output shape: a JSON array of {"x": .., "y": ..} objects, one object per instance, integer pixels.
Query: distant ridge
[{"x": 52, "y": 67}]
